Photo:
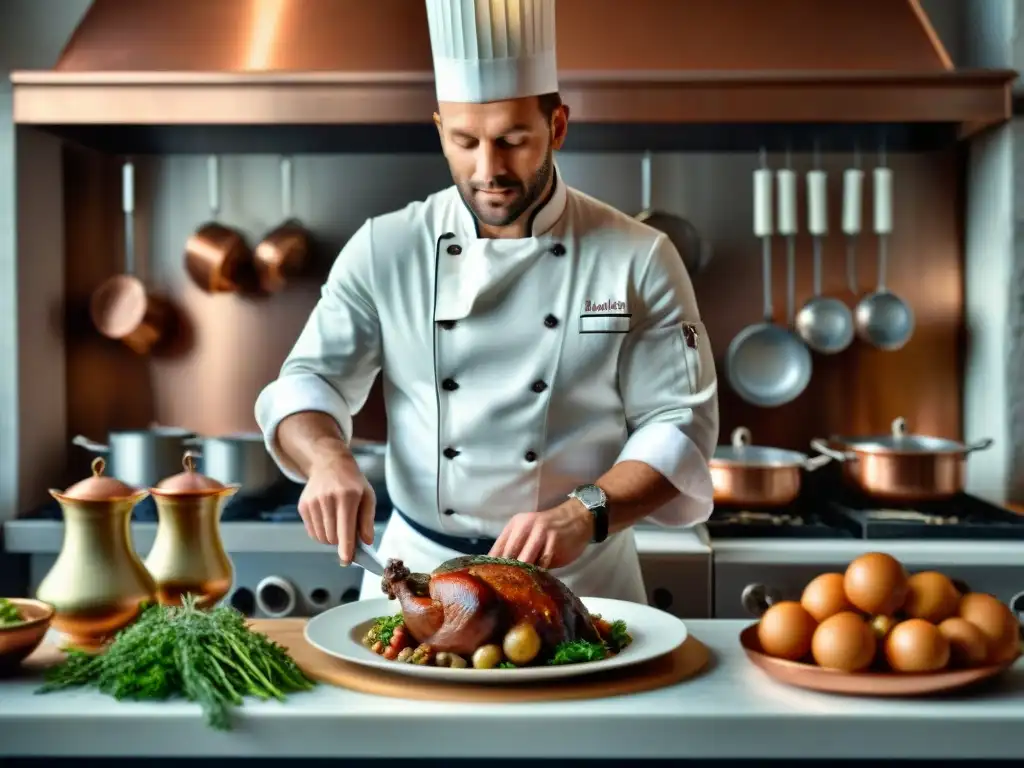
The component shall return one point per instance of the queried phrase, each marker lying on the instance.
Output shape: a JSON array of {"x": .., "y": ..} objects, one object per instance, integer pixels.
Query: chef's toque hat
[{"x": 492, "y": 50}]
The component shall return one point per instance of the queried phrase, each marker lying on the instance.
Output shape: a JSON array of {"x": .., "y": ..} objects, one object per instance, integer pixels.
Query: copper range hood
[{"x": 180, "y": 63}]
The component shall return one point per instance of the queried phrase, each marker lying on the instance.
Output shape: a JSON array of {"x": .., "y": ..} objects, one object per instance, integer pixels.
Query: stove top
[
  {"x": 799, "y": 521},
  {"x": 961, "y": 517},
  {"x": 822, "y": 514},
  {"x": 846, "y": 515}
]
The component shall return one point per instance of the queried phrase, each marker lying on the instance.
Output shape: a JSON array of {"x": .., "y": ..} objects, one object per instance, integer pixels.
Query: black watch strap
[{"x": 600, "y": 523}]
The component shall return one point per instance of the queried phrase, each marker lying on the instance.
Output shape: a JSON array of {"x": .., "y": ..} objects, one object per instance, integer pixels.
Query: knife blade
[{"x": 366, "y": 557}]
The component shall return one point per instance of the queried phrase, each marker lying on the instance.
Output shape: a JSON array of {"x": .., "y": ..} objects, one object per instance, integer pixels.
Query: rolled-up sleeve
[
  {"x": 333, "y": 364},
  {"x": 669, "y": 387}
]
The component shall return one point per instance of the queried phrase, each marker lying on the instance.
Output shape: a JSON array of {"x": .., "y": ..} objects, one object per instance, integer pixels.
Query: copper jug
[
  {"x": 188, "y": 555},
  {"x": 98, "y": 585}
]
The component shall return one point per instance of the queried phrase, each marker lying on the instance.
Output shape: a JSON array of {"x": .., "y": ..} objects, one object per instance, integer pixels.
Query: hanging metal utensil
[
  {"x": 788, "y": 228},
  {"x": 883, "y": 319},
  {"x": 766, "y": 364},
  {"x": 683, "y": 235},
  {"x": 122, "y": 308},
  {"x": 853, "y": 193},
  {"x": 824, "y": 323},
  {"x": 282, "y": 253},
  {"x": 215, "y": 255}
]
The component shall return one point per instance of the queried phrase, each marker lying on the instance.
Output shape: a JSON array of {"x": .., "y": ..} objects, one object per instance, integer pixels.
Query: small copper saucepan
[
  {"x": 122, "y": 308},
  {"x": 282, "y": 253},
  {"x": 216, "y": 255},
  {"x": 902, "y": 467},
  {"x": 755, "y": 476}
]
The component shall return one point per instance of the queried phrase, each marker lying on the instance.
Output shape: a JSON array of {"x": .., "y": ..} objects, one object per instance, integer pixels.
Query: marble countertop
[{"x": 730, "y": 711}]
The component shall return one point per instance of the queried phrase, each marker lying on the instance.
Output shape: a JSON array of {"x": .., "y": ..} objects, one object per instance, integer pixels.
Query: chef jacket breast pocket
[
  {"x": 604, "y": 323},
  {"x": 597, "y": 344}
]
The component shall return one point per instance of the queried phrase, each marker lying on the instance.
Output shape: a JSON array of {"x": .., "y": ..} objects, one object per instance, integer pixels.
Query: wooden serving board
[{"x": 687, "y": 661}]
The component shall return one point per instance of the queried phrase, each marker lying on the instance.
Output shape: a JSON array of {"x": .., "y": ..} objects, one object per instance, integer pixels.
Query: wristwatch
[{"x": 594, "y": 499}]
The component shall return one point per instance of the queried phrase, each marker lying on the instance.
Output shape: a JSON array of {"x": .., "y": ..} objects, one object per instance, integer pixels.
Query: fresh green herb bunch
[{"x": 208, "y": 657}]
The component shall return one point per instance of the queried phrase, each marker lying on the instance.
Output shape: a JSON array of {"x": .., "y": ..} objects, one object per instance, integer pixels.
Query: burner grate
[
  {"x": 784, "y": 523},
  {"x": 961, "y": 517}
]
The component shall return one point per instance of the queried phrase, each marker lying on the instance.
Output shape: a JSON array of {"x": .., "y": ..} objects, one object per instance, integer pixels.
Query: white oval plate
[{"x": 339, "y": 632}]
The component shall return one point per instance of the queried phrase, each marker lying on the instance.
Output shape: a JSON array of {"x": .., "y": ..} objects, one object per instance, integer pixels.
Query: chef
[{"x": 547, "y": 380}]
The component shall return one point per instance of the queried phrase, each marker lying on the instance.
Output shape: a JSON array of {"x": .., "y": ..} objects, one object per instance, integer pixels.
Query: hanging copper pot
[
  {"x": 215, "y": 254},
  {"x": 121, "y": 308},
  {"x": 282, "y": 253}
]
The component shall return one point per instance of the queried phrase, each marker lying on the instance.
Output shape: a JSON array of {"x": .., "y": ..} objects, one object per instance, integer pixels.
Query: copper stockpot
[
  {"x": 282, "y": 253},
  {"x": 216, "y": 255},
  {"x": 758, "y": 476},
  {"x": 902, "y": 467},
  {"x": 121, "y": 308}
]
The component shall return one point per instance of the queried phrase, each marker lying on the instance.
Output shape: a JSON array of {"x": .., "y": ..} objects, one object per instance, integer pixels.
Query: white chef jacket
[{"x": 513, "y": 371}]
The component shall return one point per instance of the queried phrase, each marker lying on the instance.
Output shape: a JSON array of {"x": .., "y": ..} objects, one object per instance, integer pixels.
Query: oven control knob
[{"x": 758, "y": 598}]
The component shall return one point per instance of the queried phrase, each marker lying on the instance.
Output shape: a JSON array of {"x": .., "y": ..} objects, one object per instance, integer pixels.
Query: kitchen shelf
[{"x": 323, "y": 112}]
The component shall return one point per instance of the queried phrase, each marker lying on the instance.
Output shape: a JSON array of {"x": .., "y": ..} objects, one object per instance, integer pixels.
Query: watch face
[{"x": 590, "y": 495}]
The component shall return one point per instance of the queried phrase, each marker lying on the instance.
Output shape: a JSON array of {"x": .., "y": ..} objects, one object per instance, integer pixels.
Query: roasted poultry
[{"x": 471, "y": 601}]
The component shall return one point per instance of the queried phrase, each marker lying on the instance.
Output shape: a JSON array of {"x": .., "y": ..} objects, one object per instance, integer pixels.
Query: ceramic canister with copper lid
[
  {"x": 98, "y": 584},
  {"x": 188, "y": 555}
]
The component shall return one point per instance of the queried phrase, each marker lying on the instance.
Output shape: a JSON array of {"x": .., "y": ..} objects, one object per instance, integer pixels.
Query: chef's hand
[
  {"x": 338, "y": 504},
  {"x": 551, "y": 539}
]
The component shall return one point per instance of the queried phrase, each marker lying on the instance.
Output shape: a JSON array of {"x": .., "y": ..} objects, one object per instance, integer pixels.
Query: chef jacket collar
[{"x": 542, "y": 219}]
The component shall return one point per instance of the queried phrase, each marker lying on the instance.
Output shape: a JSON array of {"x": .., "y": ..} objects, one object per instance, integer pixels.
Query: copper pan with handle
[
  {"x": 902, "y": 467},
  {"x": 282, "y": 253},
  {"x": 758, "y": 476},
  {"x": 216, "y": 256},
  {"x": 121, "y": 308}
]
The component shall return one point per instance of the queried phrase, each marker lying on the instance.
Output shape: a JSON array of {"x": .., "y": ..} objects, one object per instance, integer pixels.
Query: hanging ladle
[
  {"x": 853, "y": 193},
  {"x": 788, "y": 228},
  {"x": 883, "y": 319},
  {"x": 824, "y": 323}
]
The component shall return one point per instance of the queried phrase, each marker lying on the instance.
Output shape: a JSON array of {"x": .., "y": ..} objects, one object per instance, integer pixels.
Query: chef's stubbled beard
[{"x": 530, "y": 193}]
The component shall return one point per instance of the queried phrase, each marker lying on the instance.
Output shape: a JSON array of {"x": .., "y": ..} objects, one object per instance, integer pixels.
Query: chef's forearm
[
  {"x": 311, "y": 436},
  {"x": 634, "y": 490}
]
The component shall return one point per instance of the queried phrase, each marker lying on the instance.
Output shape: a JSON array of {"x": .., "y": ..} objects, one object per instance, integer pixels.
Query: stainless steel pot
[
  {"x": 902, "y": 467},
  {"x": 240, "y": 459},
  {"x": 758, "y": 476},
  {"x": 140, "y": 457}
]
